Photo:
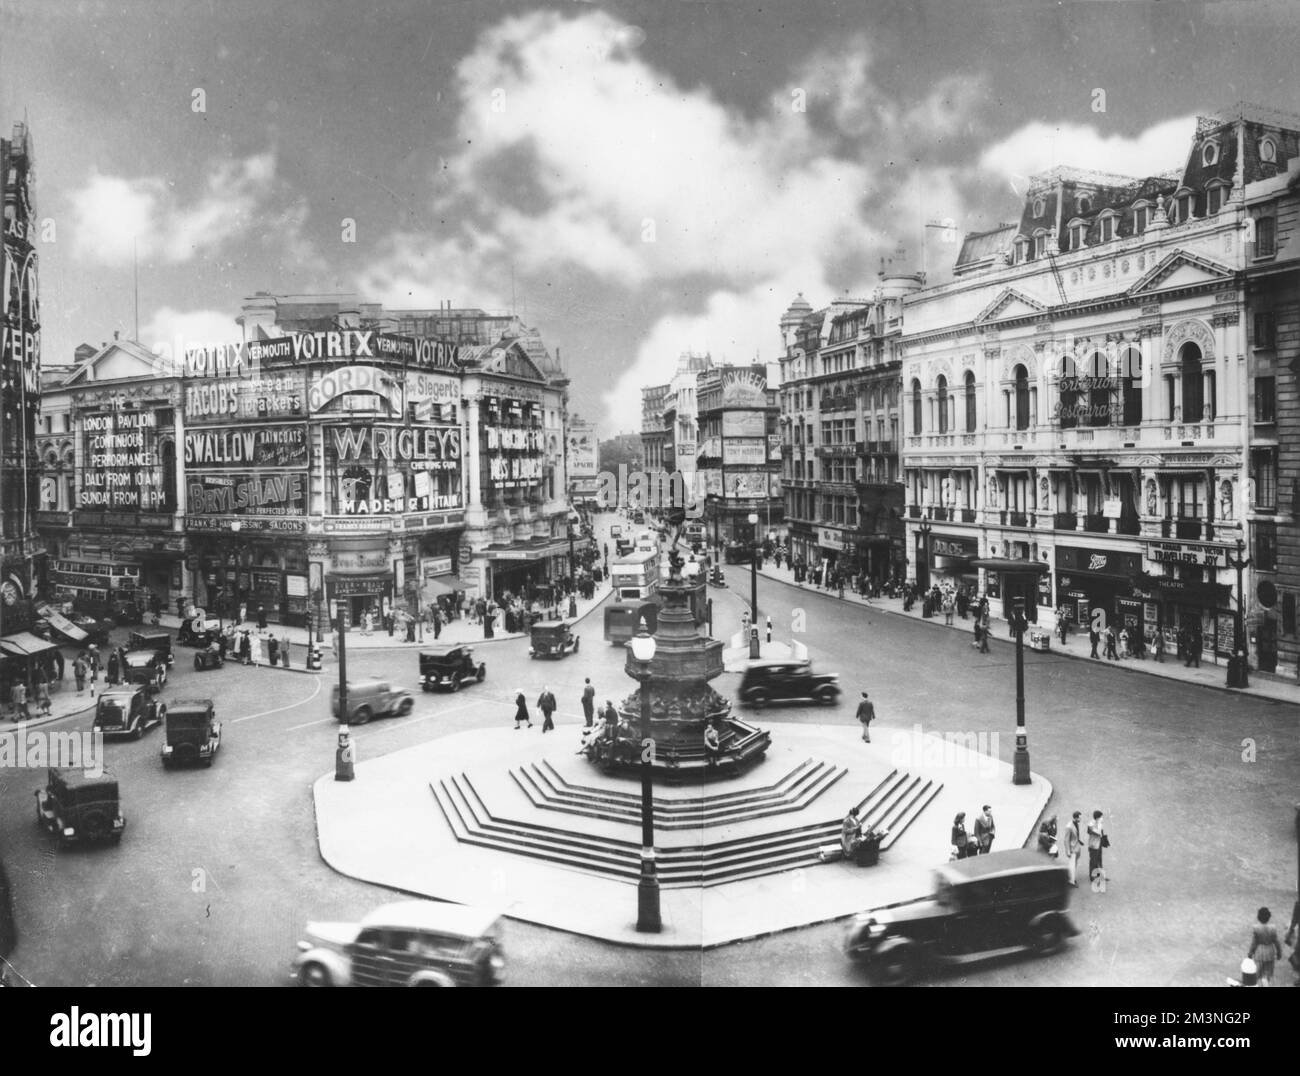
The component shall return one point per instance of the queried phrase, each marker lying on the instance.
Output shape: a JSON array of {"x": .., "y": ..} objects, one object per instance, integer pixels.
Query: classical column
[{"x": 473, "y": 497}]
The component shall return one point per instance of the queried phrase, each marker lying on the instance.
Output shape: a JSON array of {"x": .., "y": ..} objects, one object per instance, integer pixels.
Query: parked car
[
  {"x": 193, "y": 733},
  {"x": 209, "y": 658},
  {"x": 147, "y": 667},
  {"x": 372, "y": 698},
  {"x": 127, "y": 712},
  {"x": 408, "y": 943},
  {"x": 450, "y": 667},
  {"x": 780, "y": 681},
  {"x": 160, "y": 642},
  {"x": 983, "y": 906},
  {"x": 552, "y": 639},
  {"x": 76, "y": 806},
  {"x": 198, "y": 631}
]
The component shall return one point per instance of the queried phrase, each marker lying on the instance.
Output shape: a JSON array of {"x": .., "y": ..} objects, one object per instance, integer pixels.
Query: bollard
[
  {"x": 313, "y": 658},
  {"x": 345, "y": 757},
  {"x": 753, "y": 643}
]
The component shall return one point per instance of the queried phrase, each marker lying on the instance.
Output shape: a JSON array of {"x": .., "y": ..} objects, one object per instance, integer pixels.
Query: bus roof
[{"x": 635, "y": 558}]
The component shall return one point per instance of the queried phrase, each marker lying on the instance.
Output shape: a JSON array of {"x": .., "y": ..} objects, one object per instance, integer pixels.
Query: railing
[
  {"x": 913, "y": 511},
  {"x": 968, "y": 438},
  {"x": 887, "y": 448},
  {"x": 1096, "y": 524},
  {"x": 1065, "y": 521},
  {"x": 1018, "y": 519},
  {"x": 913, "y": 441}
]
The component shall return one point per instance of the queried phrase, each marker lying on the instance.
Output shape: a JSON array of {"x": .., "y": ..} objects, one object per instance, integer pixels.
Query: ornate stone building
[{"x": 1080, "y": 395}]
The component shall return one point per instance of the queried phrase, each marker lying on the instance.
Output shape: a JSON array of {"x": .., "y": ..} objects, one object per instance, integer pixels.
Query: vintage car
[
  {"x": 408, "y": 943},
  {"x": 160, "y": 642},
  {"x": 124, "y": 611},
  {"x": 371, "y": 698},
  {"x": 738, "y": 553},
  {"x": 199, "y": 631},
  {"x": 209, "y": 657},
  {"x": 76, "y": 806},
  {"x": 450, "y": 667},
  {"x": 147, "y": 667},
  {"x": 767, "y": 681},
  {"x": 552, "y": 639},
  {"x": 193, "y": 733},
  {"x": 127, "y": 712},
  {"x": 981, "y": 907}
]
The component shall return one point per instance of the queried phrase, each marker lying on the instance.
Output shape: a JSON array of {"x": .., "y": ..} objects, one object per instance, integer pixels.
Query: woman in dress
[
  {"x": 521, "y": 710},
  {"x": 960, "y": 841},
  {"x": 1264, "y": 946}
]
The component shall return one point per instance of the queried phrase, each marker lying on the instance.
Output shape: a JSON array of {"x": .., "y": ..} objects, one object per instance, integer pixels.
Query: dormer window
[
  {"x": 1210, "y": 153},
  {"x": 1141, "y": 217},
  {"x": 1216, "y": 193},
  {"x": 1040, "y": 207},
  {"x": 1180, "y": 211},
  {"x": 1084, "y": 202},
  {"x": 1040, "y": 243},
  {"x": 1021, "y": 247},
  {"x": 1078, "y": 229},
  {"x": 1268, "y": 151},
  {"x": 1106, "y": 227}
]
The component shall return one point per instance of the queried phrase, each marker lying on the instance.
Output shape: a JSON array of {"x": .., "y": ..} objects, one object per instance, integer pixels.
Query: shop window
[
  {"x": 1263, "y": 469},
  {"x": 1265, "y": 551},
  {"x": 1265, "y": 400}
]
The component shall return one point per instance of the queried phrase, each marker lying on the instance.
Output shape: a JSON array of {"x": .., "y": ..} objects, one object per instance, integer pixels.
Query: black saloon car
[
  {"x": 79, "y": 806},
  {"x": 450, "y": 667},
  {"x": 193, "y": 733},
  {"x": 781, "y": 681},
  {"x": 127, "y": 712},
  {"x": 981, "y": 907},
  {"x": 160, "y": 642}
]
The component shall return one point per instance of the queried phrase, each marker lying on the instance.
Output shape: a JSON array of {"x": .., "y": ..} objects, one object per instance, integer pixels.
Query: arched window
[
  {"x": 916, "y": 406},
  {"x": 1040, "y": 243},
  {"x": 1193, "y": 394},
  {"x": 1022, "y": 397},
  {"x": 1106, "y": 226},
  {"x": 1098, "y": 390},
  {"x": 1078, "y": 229},
  {"x": 1141, "y": 216},
  {"x": 943, "y": 404},
  {"x": 1216, "y": 193},
  {"x": 1131, "y": 379},
  {"x": 970, "y": 402},
  {"x": 1069, "y": 402}
]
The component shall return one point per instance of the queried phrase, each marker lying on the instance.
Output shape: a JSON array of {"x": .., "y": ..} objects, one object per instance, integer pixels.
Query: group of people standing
[
  {"x": 966, "y": 844},
  {"x": 1071, "y": 846}
]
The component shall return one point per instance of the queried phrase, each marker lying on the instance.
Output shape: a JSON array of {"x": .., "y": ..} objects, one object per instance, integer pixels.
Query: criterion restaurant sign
[
  {"x": 236, "y": 446},
  {"x": 1199, "y": 554}
]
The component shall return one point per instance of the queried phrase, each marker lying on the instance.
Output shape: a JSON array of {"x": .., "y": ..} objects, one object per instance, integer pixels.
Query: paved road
[{"x": 218, "y": 870}]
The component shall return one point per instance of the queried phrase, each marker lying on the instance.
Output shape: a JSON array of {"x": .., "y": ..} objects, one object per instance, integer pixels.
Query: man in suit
[
  {"x": 588, "y": 703},
  {"x": 985, "y": 830},
  {"x": 1073, "y": 846},
  {"x": 1096, "y": 842},
  {"x": 546, "y": 703}
]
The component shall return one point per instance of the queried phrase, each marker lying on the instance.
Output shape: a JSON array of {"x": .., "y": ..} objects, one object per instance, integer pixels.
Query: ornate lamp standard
[
  {"x": 1237, "y": 664},
  {"x": 753, "y": 567},
  {"x": 648, "y": 920},
  {"x": 1015, "y": 575},
  {"x": 923, "y": 530}
]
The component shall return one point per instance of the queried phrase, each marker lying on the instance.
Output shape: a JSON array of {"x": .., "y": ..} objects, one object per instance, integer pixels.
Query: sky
[{"x": 633, "y": 179}]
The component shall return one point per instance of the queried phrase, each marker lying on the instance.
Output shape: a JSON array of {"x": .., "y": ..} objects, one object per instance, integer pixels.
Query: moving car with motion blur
[
  {"x": 147, "y": 667},
  {"x": 78, "y": 806},
  {"x": 408, "y": 943},
  {"x": 450, "y": 667},
  {"x": 981, "y": 907},
  {"x": 193, "y": 733},
  {"x": 127, "y": 712},
  {"x": 787, "y": 680},
  {"x": 371, "y": 698},
  {"x": 552, "y": 639}
]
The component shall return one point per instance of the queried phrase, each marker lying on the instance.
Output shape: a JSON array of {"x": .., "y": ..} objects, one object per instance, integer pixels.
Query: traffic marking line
[{"x": 281, "y": 709}]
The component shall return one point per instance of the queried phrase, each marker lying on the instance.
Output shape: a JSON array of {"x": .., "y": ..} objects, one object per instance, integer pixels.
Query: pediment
[
  {"x": 1010, "y": 303},
  {"x": 1181, "y": 270},
  {"x": 117, "y": 361}
]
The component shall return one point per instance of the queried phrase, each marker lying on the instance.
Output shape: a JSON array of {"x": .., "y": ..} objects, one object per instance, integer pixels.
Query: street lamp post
[
  {"x": 1237, "y": 664},
  {"x": 648, "y": 919},
  {"x": 1020, "y": 761},
  {"x": 924, "y": 584},
  {"x": 753, "y": 566}
]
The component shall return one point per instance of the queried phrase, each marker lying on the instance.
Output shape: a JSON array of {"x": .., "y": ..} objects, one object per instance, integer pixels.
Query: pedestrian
[
  {"x": 1073, "y": 846},
  {"x": 1098, "y": 841},
  {"x": 1194, "y": 647},
  {"x": 1060, "y": 625},
  {"x": 18, "y": 697},
  {"x": 769, "y": 629},
  {"x": 588, "y": 703},
  {"x": 866, "y": 715},
  {"x": 546, "y": 703},
  {"x": 284, "y": 649},
  {"x": 1047, "y": 837},
  {"x": 984, "y": 631},
  {"x": 243, "y": 612},
  {"x": 712, "y": 745},
  {"x": 273, "y": 651},
  {"x": 521, "y": 710},
  {"x": 245, "y": 648},
  {"x": 58, "y": 664},
  {"x": 261, "y": 618},
  {"x": 437, "y": 623},
  {"x": 1124, "y": 647},
  {"x": 79, "y": 670},
  {"x": 949, "y": 607},
  {"x": 1158, "y": 645},
  {"x": 1294, "y": 958},
  {"x": 43, "y": 694},
  {"x": 111, "y": 668},
  {"x": 1094, "y": 637},
  {"x": 94, "y": 666},
  {"x": 255, "y": 649},
  {"x": 985, "y": 831},
  {"x": 1264, "y": 946},
  {"x": 960, "y": 841}
]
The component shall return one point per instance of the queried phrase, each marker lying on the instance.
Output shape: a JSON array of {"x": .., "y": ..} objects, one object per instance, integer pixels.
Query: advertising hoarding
[
  {"x": 120, "y": 467},
  {"x": 241, "y": 493},
  {"x": 748, "y": 452},
  {"x": 275, "y": 446},
  {"x": 744, "y": 424},
  {"x": 216, "y": 400}
]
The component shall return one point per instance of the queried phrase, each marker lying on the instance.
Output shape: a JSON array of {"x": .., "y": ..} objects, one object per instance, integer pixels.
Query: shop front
[
  {"x": 1090, "y": 580},
  {"x": 1184, "y": 583},
  {"x": 354, "y": 595},
  {"x": 950, "y": 562},
  {"x": 257, "y": 563},
  {"x": 835, "y": 551},
  {"x": 524, "y": 568}
]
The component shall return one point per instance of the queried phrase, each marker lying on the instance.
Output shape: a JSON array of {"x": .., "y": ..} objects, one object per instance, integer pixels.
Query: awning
[
  {"x": 24, "y": 644},
  {"x": 443, "y": 584}
]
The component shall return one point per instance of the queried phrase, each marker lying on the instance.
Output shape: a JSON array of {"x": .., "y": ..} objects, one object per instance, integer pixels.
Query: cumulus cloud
[
  {"x": 114, "y": 216},
  {"x": 169, "y": 332},
  {"x": 1037, "y": 147}
]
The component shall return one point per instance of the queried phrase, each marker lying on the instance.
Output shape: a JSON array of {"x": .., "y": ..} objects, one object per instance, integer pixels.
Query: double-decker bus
[{"x": 635, "y": 576}]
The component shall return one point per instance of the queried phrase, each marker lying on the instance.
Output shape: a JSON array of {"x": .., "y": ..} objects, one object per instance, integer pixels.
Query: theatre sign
[{"x": 1198, "y": 554}]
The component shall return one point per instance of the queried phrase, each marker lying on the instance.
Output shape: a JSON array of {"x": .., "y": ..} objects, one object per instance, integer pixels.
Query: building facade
[
  {"x": 22, "y": 559},
  {"x": 1078, "y": 396},
  {"x": 655, "y": 431},
  {"x": 739, "y": 459},
  {"x": 582, "y": 465}
]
